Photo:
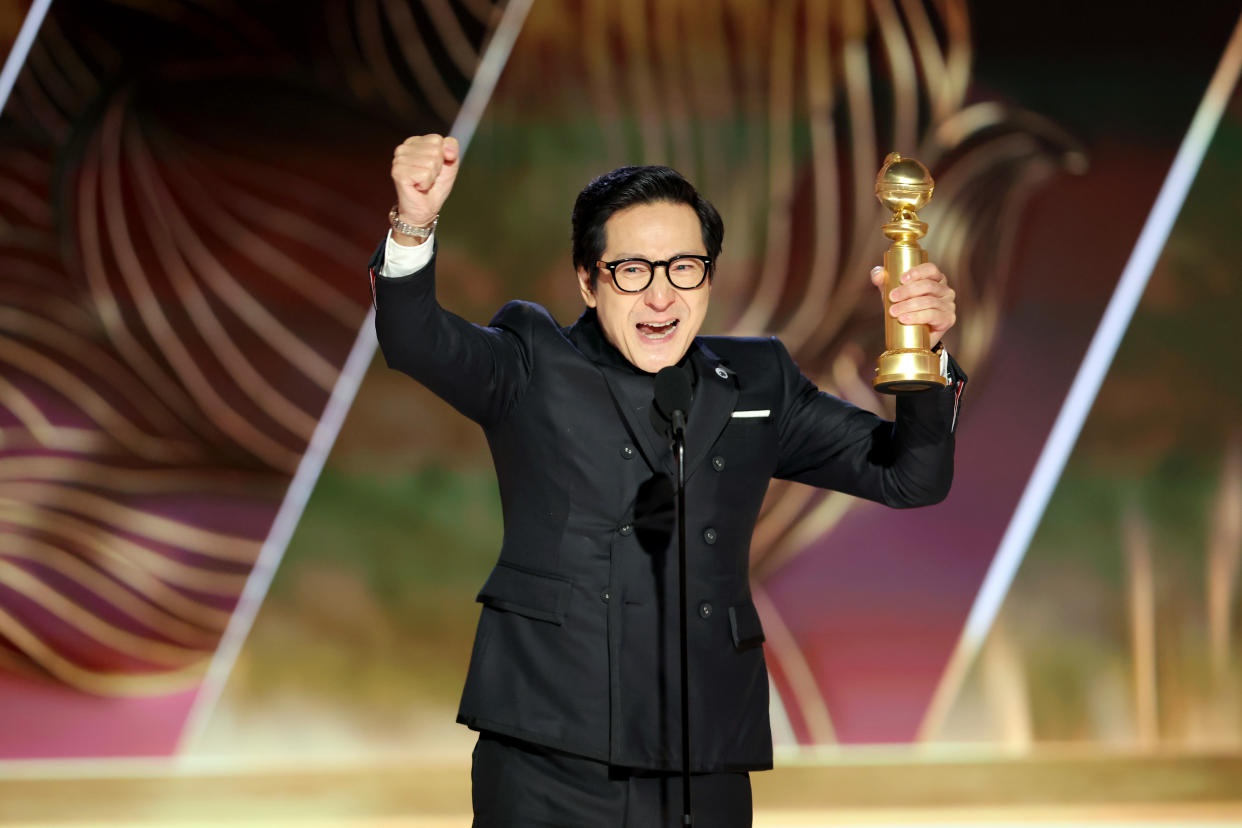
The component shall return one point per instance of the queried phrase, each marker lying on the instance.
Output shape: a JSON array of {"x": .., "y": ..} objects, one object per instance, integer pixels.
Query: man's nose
[{"x": 660, "y": 293}]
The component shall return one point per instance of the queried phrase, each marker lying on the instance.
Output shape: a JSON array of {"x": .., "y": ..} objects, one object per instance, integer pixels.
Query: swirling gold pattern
[{"x": 175, "y": 304}]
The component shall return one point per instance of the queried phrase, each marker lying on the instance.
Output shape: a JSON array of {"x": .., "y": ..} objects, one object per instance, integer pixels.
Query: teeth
[{"x": 658, "y": 330}]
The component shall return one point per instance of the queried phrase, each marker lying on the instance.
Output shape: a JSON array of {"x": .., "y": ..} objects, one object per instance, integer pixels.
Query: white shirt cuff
[{"x": 400, "y": 260}]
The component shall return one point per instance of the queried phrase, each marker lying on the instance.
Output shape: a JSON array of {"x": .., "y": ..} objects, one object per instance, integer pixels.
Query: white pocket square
[{"x": 754, "y": 413}]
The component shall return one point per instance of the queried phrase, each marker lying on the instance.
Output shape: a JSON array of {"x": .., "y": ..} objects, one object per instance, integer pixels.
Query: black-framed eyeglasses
[{"x": 635, "y": 275}]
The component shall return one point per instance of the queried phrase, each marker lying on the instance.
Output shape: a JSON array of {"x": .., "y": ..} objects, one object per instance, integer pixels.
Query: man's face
[{"x": 652, "y": 329}]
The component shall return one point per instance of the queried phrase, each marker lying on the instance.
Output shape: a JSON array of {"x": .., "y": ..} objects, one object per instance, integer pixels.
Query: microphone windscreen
[{"x": 672, "y": 391}]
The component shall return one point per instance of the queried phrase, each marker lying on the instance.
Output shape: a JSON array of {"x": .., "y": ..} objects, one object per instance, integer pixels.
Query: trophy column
[{"x": 903, "y": 185}]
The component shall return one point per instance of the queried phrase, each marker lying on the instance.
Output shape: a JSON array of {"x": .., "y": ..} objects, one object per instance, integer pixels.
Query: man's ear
[{"x": 584, "y": 287}]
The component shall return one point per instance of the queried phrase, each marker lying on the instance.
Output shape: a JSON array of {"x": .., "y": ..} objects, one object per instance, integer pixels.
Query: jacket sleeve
[
  {"x": 829, "y": 443},
  {"x": 480, "y": 371}
]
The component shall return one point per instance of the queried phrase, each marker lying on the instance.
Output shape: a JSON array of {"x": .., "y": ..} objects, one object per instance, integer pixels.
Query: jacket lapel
[
  {"x": 627, "y": 390},
  {"x": 630, "y": 391},
  {"x": 715, "y": 395}
]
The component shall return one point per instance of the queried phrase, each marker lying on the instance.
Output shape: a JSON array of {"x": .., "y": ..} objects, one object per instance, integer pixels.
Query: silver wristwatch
[{"x": 420, "y": 233}]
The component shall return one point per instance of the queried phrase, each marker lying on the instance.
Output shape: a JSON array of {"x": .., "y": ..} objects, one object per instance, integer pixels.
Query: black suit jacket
[{"x": 577, "y": 640}]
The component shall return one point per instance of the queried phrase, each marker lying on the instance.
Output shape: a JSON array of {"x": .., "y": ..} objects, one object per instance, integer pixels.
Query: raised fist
[{"x": 423, "y": 170}]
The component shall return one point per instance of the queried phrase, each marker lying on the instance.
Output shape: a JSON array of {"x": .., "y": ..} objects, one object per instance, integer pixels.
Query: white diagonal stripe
[
  {"x": 1087, "y": 382},
  {"x": 21, "y": 47},
  {"x": 484, "y": 83}
]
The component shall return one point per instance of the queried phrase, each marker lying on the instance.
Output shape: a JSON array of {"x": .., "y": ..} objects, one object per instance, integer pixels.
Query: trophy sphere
[{"x": 903, "y": 185}]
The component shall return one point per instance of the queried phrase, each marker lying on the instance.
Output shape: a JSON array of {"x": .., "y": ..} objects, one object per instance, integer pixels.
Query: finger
[
  {"x": 428, "y": 140},
  {"x": 420, "y": 168},
  {"x": 926, "y": 270},
  {"x": 919, "y": 303},
  {"x": 445, "y": 178},
  {"x": 420, "y": 176},
  {"x": 451, "y": 150},
  {"x": 423, "y": 150},
  {"x": 419, "y": 146},
  {"x": 922, "y": 287},
  {"x": 878, "y": 276},
  {"x": 424, "y": 179},
  {"x": 938, "y": 319}
]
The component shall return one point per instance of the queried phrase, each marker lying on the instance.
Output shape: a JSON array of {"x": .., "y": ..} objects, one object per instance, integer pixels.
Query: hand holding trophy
[{"x": 904, "y": 186}]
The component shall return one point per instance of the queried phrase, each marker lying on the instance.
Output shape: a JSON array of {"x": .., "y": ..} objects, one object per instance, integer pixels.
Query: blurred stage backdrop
[{"x": 203, "y": 555}]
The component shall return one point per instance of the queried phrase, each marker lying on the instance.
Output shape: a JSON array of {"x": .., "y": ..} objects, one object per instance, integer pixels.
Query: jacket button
[
  {"x": 705, "y": 609},
  {"x": 627, "y": 529},
  {"x": 605, "y": 596},
  {"x": 627, "y": 452},
  {"x": 718, "y": 463},
  {"x": 709, "y": 535}
]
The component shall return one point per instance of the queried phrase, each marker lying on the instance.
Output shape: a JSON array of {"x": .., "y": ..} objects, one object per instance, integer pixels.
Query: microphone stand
[
  {"x": 673, "y": 393},
  {"x": 678, "y": 438}
]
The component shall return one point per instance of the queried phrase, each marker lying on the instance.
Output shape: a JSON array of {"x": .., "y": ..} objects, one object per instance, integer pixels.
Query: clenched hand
[{"x": 423, "y": 171}]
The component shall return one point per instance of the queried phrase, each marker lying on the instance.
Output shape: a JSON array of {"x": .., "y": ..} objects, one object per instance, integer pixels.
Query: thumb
[
  {"x": 450, "y": 154},
  {"x": 452, "y": 150},
  {"x": 878, "y": 275}
]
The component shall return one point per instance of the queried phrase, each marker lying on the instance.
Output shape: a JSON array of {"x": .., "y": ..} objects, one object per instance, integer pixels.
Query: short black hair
[{"x": 629, "y": 186}]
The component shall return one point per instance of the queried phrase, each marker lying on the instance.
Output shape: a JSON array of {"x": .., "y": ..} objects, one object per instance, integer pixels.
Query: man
[{"x": 574, "y": 680}]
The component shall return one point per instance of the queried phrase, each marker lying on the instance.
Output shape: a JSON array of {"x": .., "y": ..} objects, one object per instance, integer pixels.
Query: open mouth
[{"x": 657, "y": 330}]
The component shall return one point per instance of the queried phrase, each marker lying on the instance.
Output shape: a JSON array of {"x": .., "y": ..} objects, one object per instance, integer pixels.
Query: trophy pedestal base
[{"x": 900, "y": 371}]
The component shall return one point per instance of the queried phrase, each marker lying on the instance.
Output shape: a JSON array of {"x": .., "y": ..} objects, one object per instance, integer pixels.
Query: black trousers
[{"x": 521, "y": 785}]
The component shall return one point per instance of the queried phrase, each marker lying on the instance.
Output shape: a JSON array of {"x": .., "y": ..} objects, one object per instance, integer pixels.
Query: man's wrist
[
  {"x": 410, "y": 235},
  {"x": 408, "y": 241}
]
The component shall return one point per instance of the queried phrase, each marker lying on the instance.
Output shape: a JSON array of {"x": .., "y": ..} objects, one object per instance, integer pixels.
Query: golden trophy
[{"x": 904, "y": 186}]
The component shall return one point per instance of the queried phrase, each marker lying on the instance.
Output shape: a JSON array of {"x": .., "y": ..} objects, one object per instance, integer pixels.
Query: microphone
[{"x": 671, "y": 405}]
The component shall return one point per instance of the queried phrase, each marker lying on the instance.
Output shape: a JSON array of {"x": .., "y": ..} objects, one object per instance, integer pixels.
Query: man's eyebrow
[{"x": 677, "y": 255}]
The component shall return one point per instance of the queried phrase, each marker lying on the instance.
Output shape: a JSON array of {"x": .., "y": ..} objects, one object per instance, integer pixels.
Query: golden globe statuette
[{"x": 904, "y": 186}]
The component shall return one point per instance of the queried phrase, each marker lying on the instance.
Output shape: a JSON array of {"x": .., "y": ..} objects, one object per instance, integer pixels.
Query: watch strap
[{"x": 414, "y": 232}]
